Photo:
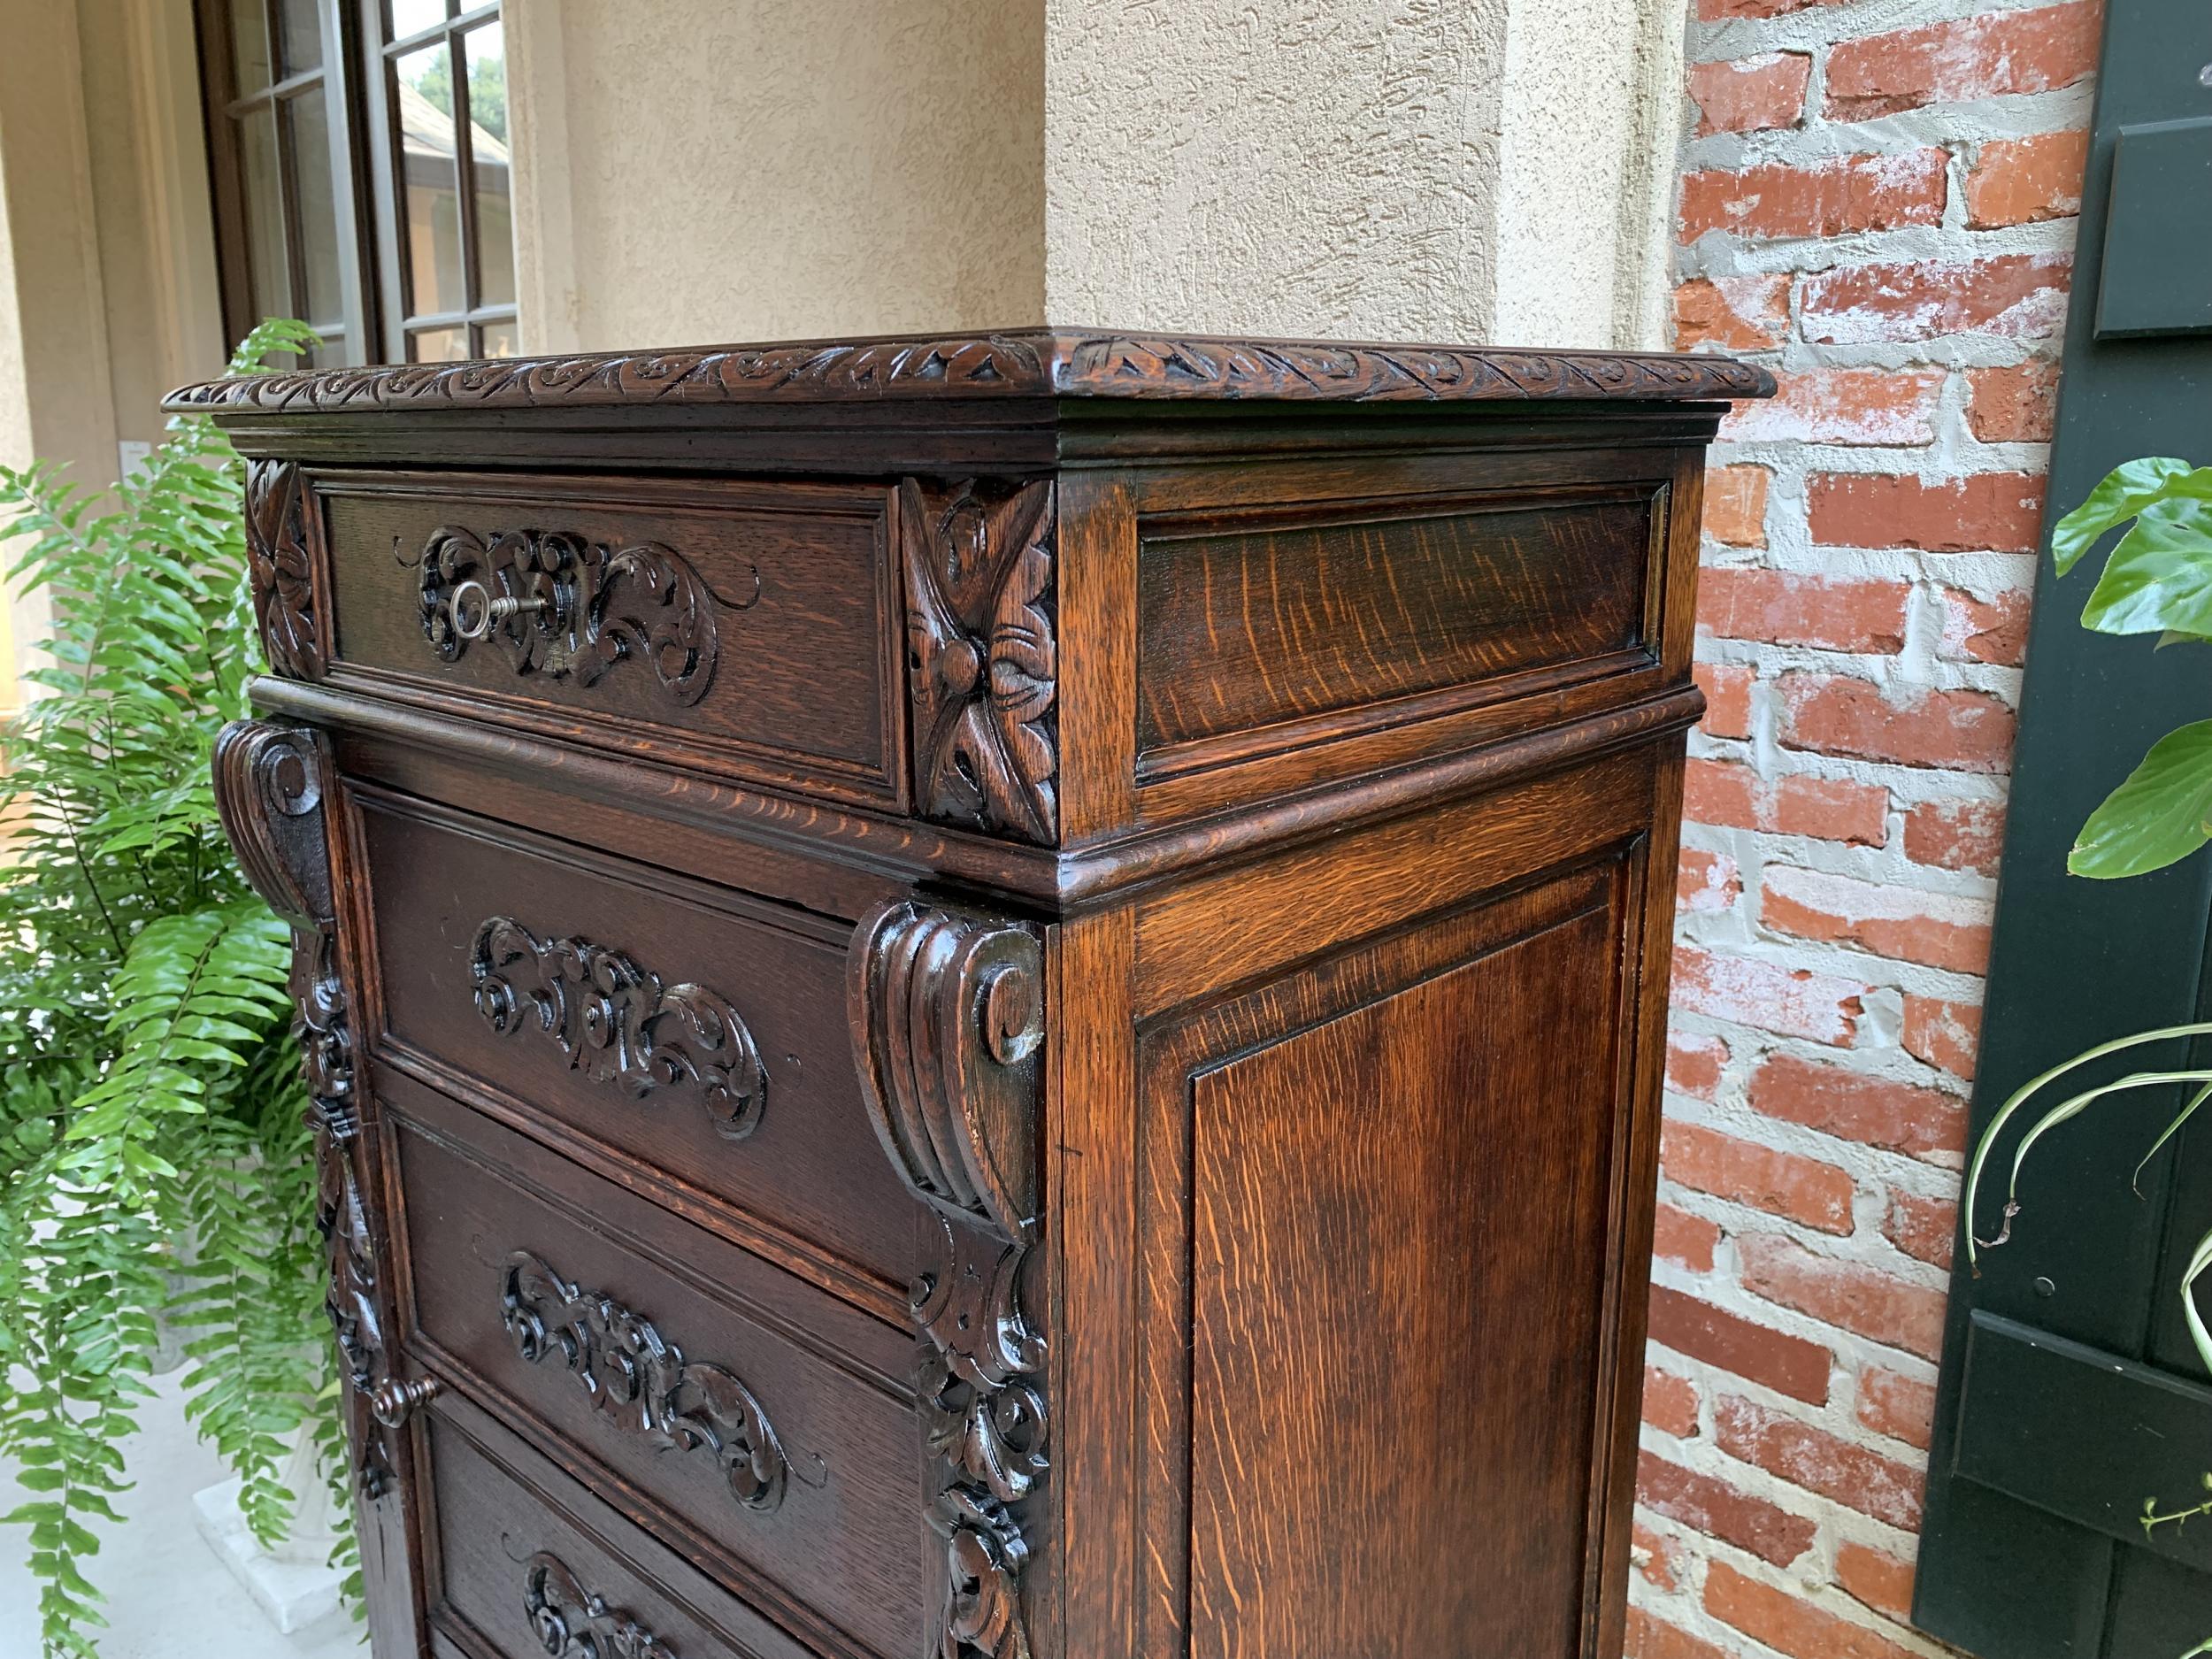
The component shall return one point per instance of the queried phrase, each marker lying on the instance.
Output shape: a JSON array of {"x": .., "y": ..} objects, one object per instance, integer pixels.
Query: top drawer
[{"x": 749, "y": 629}]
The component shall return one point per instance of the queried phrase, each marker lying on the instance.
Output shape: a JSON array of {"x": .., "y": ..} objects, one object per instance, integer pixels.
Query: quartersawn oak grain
[
  {"x": 1259, "y": 618},
  {"x": 1061, "y": 981}
]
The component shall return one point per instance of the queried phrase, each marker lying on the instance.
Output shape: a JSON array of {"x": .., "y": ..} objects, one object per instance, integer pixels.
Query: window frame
[
  {"x": 401, "y": 322},
  {"x": 359, "y": 79}
]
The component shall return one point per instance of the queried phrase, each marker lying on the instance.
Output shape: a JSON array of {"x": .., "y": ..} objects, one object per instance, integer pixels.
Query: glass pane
[
  {"x": 438, "y": 345},
  {"x": 429, "y": 179},
  {"x": 307, "y": 141},
  {"x": 301, "y": 23},
  {"x": 249, "y": 46},
  {"x": 487, "y": 51},
  {"x": 411, "y": 17},
  {"x": 265, "y": 262},
  {"x": 331, "y": 354},
  {"x": 500, "y": 340}
]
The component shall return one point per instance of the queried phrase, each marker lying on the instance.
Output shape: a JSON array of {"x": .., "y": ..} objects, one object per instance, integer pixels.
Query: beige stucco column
[
  {"x": 107, "y": 263},
  {"x": 708, "y": 170}
]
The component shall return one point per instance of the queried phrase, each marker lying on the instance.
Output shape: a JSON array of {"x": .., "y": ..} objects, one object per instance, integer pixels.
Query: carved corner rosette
[
  {"x": 270, "y": 785},
  {"x": 559, "y": 604},
  {"x": 948, "y": 1015},
  {"x": 982, "y": 659},
  {"x": 283, "y": 528}
]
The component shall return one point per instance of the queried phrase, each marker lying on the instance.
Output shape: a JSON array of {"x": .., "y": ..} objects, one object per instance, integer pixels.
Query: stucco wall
[
  {"x": 1327, "y": 167},
  {"x": 107, "y": 267},
  {"x": 695, "y": 171},
  {"x": 1483, "y": 170},
  {"x": 1590, "y": 116}
]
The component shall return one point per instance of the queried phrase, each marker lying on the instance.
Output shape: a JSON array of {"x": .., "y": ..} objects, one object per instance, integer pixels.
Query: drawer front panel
[
  {"x": 1255, "y": 625},
  {"x": 683, "y": 1028},
  {"x": 751, "y": 1425},
  {"x": 750, "y": 626},
  {"x": 518, "y": 1554}
]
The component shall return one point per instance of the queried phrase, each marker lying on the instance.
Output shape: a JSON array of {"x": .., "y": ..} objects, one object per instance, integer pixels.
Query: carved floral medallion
[{"x": 982, "y": 661}]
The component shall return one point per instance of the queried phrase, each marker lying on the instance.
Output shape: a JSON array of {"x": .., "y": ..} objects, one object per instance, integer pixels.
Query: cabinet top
[{"x": 1020, "y": 363}]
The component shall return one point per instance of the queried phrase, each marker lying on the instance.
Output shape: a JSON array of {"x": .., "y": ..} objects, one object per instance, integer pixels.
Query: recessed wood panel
[
  {"x": 797, "y": 632},
  {"x": 1266, "y": 620},
  {"x": 1401, "y": 1171}
]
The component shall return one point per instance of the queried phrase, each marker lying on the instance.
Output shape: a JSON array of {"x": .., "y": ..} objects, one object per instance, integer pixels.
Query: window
[
  {"x": 361, "y": 175},
  {"x": 451, "y": 258}
]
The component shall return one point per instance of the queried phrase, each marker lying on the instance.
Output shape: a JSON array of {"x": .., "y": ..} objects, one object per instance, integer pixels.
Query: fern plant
[{"x": 153, "y": 1163}]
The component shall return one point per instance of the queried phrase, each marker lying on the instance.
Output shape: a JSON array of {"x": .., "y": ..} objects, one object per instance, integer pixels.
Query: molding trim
[
  {"x": 1039, "y": 363},
  {"x": 271, "y": 786},
  {"x": 948, "y": 1019}
]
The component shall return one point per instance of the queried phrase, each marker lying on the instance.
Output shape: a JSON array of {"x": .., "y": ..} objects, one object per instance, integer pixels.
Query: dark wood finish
[
  {"x": 497, "y": 1506},
  {"x": 1464, "y": 1216},
  {"x": 752, "y": 630},
  {"x": 815, "y": 1518},
  {"x": 938, "y": 1097},
  {"x": 1019, "y": 362},
  {"x": 1273, "y": 623},
  {"x": 805, "y": 1185},
  {"x": 275, "y": 788}
]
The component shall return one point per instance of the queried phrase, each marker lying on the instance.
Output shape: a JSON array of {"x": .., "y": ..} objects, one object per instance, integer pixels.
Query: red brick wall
[{"x": 1876, "y": 201}]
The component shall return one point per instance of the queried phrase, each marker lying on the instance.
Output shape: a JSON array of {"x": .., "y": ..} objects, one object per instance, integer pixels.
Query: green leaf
[
  {"x": 2159, "y": 577},
  {"x": 2200, "y": 1265},
  {"x": 2123, "y": 493},
  {"x": 151, "y": 1154},
  {"x": 2159, "y": 815}
]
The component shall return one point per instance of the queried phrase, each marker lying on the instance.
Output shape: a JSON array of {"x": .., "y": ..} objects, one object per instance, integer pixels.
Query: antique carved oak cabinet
[{"x": 989, "y": 996}]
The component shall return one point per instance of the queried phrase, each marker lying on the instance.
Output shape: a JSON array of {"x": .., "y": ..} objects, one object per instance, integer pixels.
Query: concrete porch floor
[{"x": 169, "y": 1595}]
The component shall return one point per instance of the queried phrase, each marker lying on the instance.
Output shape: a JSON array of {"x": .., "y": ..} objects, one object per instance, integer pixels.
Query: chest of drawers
[{"x": 996, "y": 996}]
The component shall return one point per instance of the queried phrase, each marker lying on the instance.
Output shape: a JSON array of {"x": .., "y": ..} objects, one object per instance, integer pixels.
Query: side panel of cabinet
[
  {"x": 1391, "y": 1198},
  {"x": 295, "y": 836}
]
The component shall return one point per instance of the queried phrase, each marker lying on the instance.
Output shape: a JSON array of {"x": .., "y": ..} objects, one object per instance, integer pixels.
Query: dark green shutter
[{"x": 2070, "y": 1394}]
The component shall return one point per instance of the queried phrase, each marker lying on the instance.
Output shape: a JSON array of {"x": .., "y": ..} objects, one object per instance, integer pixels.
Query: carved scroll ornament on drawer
[
  {"x": 559, "y": 604},
  {"x": 567, "y": 1618},
  {"x": 617, "y": 1023},
  {"x": 640, "y": 1382}
]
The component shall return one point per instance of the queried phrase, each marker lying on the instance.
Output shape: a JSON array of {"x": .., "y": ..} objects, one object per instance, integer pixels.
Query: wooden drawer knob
[{"x": 393, "y": 1401}]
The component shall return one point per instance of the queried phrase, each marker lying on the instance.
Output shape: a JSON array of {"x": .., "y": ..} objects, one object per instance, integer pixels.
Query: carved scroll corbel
[
  {"x": 271, "y": 783},
  {"x": 947, "y": 1013}
]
